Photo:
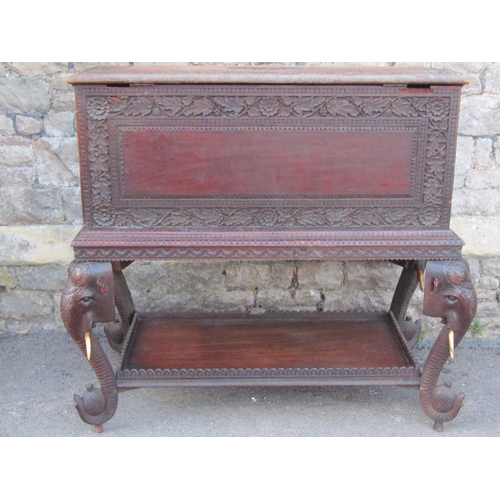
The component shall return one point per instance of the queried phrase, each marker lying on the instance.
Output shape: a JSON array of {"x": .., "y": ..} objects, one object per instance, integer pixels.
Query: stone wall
[{"x": 40, "y": 215}]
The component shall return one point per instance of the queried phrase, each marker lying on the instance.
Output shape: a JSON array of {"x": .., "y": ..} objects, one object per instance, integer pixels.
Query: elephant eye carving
[
  {"x": 86, "y": 300},
  {"x": 451, "y": 299}
]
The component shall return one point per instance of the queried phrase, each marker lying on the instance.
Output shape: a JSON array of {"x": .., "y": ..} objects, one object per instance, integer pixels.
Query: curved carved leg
[
  {"x": 450, "y": 295},
  {"x": 87, "y": 299},
  {"x": 115, "y": 332},
  {"x": 405, "y": 288}
]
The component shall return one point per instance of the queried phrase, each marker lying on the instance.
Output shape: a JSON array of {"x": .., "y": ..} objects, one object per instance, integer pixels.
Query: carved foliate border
[{"x": 199, "y": 106}]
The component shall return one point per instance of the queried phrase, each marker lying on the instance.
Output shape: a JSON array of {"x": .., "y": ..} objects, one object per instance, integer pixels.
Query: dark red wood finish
[
  {"x": 267, "y": 163},
  {"x": 169, "y": 162}
]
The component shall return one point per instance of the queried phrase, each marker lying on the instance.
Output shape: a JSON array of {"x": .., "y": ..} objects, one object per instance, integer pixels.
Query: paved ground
[{"x": 40, "y": 372}]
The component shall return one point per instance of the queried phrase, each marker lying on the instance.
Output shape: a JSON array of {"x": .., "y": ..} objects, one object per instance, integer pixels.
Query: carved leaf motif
[
  {"x": 401, "y": 217},
  {"x": 285, "y": 216},
  {"x": 207, "y": 216},
  {"x": 308, "y": 104},
  {"x": 102, "y": 191},
  {"x": 117, "y": 104},
  {"x": 432, "y": 189},
  {"x": 435, "y": 166},
  {"x": 436, "y": 143},
  {"x": 253, "y": 111},
  {"x": 140, "y": 106},
  {"x": 403, "y": 107},
  {"x": 98, "y": 167},
  {"x": 200, "y": 106},
  {"x": 336, "y": 216},
  {"x": 169, "y": 104},
  {"x": 178, "y": 218},
  {"x": 420, "y": 104},
  {"x": 99, "y": 139},
  {"x": 375, "y": 105},
  {"x": 239, "y": 218},
  {"x": 309, "y": 218},
  {"x": 342, "y": 107},
  {"x": 288, "y": 100},
  {"x": 365, "y": 218},
  {"x": 145, "y": 217},
  {"x": 231, "y": 105}
]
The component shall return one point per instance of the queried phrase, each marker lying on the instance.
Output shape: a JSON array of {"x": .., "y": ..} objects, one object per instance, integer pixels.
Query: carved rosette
[{"x": 436, "y": 109}]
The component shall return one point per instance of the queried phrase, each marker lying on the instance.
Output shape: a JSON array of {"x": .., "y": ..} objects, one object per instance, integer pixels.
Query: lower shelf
[{"x": 352, "y": 348}]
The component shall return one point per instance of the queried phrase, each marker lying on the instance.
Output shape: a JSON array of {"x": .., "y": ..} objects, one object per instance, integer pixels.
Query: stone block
[
  {"x": 477, "y": 179},
  {"x": 12, "y": 177},
  {"x": 56, "y": 161},
  {"x": 372, "y": 275},
  {"x": 349, "y": 299},
  {"x": 247, "y": 275},
  {"x": 461, "y": 67},
  {"x": 325, "y": 275},
  {"x": 308, "y": 297},
  {"x": 26, "y": 305},
  {"x": 3, "y": 71},
  {"x": 480, "y": 115},
  {"x": 59, "y": 124},
  {"x": 273, "y": 299},
  {"x": 8, "y": 278},
  {"x": 475, "y": 202},
  {"x": 40, "y": 244},
  {"x": 218, "y": 301},
  {"x": 25, "y": 96},
  {"x": 282, "y": 274},
  {"x": 58, "y": 82},
  {"x": 464, "y": 155},
  {"x": 474, "y": 87},
  {"x": 170, "y": 277},
  {"x": 47, "y": 278},
  {"x": 16, "y": 151},
  {"x": 480, "y": 234},
  {"x": 483, "y": 154},
  {"x": 30, "y": 206},
  {"x": 26, "y": 125},
  {"x": 63, "y": 101},
  {"x": 72, "y": 204},
  {"x": 6, "y": 125},
  {"x": 32, "y": 69},
  {"x": 491, "y": 267},
  {"x": 492, "y": 78}
]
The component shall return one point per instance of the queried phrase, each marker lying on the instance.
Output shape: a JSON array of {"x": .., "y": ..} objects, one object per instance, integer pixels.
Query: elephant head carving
[
  {"x": 449, "y": 295},
  {"x": 88, "y": 298}
]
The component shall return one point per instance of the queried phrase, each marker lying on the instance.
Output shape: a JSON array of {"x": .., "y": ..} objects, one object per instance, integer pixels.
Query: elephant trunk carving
[
  {"x": 450, "y": 295},
  {"x": 88, "y": 298}
]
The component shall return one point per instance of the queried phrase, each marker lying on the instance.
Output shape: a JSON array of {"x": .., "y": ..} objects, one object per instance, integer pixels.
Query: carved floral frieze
[{"x": 429, "y": 213}]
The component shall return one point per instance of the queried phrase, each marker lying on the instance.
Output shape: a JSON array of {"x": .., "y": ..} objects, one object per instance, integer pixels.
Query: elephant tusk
[
  {"x": 451, "y": 342},
  {"x": 88, "y": 345},
  {"x": 421, "y": 279}
]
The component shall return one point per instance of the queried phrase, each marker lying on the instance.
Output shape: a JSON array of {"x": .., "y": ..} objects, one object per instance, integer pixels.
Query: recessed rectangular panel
[{"x": 161, "y": 161}]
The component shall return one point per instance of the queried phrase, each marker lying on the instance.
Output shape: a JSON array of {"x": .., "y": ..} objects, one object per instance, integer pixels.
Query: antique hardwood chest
[{"x": 270, "y": 164}]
